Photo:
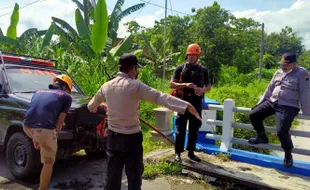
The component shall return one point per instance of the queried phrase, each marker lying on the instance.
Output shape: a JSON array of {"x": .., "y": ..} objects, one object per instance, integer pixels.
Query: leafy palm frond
[
  {"x": 113, "y": 17},
  {"x": 108, "y": 45},
  {"x": 65, "y": 25},
  {"x": 8, "y": 40},
  {"x": 117, "y": 8},
  {"x": 28, "y": 33},
  {"x": 122, "y": 47},
  {"x": 82, "y": 27},
  {"x": 137, "y": 52},
  {"x": 41, "y": 32},
  {"x": 145, "y": 61},
  {"x": 48, "y": 36},
  {"x": 151, "y": 48},
  {"x": 173, "y": 55},
  {"x": 79, "y": 4},
  {"x": 129, "y": 10},
  {"x": 62, "y": 33}
]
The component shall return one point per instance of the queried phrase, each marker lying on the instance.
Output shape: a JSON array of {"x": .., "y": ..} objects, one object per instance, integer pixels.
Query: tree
[
  {"x": 304, "y": 60},
  {"x": 270, "y": 61},
  {"x": 133, "y": 27},
  {"x": 211, "y": 31},
  {"x": 285, "y": 41}
]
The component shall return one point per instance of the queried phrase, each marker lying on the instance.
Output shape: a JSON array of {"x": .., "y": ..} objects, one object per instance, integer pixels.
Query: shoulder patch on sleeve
[{"x": 306, "y": 75}]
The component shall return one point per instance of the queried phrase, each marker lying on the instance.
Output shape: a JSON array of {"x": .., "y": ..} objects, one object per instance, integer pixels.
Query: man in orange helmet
[
  {"x": 44, "y": 119},
  {"x": 190, "y": 81}
]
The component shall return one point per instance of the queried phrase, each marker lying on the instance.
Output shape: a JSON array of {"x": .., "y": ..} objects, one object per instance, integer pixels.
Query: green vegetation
[
  {"x": 223, "y": 157},
  {"x": 90, "y": 50},
  {"x": 153, "y": 170}
]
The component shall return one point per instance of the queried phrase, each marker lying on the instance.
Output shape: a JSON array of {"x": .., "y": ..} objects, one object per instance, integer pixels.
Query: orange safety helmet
[
  {"x": 64, "y": 78},
  {"x": 193, "y": 49}
]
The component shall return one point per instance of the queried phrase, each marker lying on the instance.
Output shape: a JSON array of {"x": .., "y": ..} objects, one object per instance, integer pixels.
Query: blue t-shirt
[{"x": 45, "y": 107}]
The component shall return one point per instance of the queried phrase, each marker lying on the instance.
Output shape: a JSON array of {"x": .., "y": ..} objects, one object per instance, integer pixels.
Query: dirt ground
[
  {"x": 272, "y": 177},
  {"x": 80, "y": 173}
]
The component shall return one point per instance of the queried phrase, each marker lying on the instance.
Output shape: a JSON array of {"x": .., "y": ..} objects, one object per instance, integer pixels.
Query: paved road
[{"x": 78, "y": 172}]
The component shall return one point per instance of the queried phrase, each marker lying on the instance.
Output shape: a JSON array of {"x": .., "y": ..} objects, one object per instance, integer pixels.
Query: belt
[{"x": 121, "y": 134}]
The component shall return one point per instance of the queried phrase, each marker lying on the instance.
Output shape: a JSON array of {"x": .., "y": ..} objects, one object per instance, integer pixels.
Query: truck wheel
[
  {"x": 22, "y": 158},
  {"x": 95, "y": 154}
]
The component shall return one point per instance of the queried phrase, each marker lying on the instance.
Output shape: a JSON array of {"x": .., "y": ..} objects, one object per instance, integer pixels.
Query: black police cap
[
  {"x": 288, "y": 58},
  {"x": 128, "y": 59}
]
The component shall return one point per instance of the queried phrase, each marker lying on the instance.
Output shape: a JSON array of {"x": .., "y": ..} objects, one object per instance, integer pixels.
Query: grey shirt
[
  {"x": 290, "y": 89},
  {"x": 122, "y": 96}
]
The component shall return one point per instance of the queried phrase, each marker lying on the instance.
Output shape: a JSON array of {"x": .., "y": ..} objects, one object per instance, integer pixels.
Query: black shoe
[
  {"x": 177, "y": 157},
  {"x": 288, "y": 160},
  {"x": 260, "y": 138},
  {"x": 193, "y": 157}
]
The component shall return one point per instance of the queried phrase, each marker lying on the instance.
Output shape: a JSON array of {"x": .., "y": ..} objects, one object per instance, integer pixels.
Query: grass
[
  {"x": 152, "y": 170},
  {"x": 223, "y": 157},
  {"x": 149, "y": 146}
]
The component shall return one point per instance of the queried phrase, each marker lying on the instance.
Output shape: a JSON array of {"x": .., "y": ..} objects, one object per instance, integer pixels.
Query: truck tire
[{"x": 22, "y": 158}]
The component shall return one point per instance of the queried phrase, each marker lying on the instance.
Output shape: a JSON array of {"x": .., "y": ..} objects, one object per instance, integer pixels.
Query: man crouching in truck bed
[
  {"x": 122, "y": 96},
  {"x": 44, "y": 119}
]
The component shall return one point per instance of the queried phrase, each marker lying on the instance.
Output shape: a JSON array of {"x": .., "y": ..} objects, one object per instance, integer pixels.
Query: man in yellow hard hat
[
  {"x": 44, "y": 119},
  {"x": 190, "y": 81}
]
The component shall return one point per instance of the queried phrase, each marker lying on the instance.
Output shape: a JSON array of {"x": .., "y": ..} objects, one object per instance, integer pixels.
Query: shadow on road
[{"x": 77, "y": 172}]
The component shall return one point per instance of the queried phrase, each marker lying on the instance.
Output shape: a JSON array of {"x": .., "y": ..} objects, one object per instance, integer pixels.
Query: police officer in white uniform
[
  {"x": 122, "y": 97},
  {"x": 287, "y": 91}
]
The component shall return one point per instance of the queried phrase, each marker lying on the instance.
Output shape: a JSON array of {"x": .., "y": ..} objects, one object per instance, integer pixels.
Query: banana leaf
[
  {"x": 82, "y": 27},
  {"x": 100, "y": 27},
  {"x": 138, "y": 52},
  {"x": 129, "y": 10},
  {"x": 48, "y": 36},
  {"x": 79, "y": 4},
  {"x": 7, "y": 40},
  {"x": 28, "y": 33},
  {"x": 122, "y": 47},
  {"x": 11, "y": 31},
  {"x": 65, "y": 25}
]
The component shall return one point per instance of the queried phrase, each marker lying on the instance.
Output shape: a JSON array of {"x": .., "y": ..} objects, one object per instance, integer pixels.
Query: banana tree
[
  {"x": 114, "y": 19},
  {"x": 11, "y": 38},
  {"x": 155, "y": 58},
  {"x": 82, "y": 41},
  {"x": 113, "y": 55},
  {"x": 108, "y": 63}
]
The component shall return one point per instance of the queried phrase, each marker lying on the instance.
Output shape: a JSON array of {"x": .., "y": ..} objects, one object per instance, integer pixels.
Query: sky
[{"x": 276, "y": 14}]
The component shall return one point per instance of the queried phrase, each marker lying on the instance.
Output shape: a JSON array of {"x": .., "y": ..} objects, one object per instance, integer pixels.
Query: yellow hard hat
[{"x": 64, "y": 78}]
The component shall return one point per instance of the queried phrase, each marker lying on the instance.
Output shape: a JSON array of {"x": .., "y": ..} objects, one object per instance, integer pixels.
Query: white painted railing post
[{"x": 227, "y": 130}]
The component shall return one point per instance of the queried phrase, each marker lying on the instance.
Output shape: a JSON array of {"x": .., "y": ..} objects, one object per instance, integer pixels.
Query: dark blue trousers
[
  {"x": 284, "y": 118},
  {"x": 124, "y": 151}
]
